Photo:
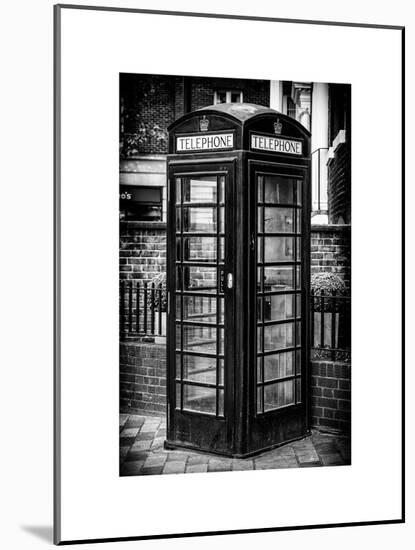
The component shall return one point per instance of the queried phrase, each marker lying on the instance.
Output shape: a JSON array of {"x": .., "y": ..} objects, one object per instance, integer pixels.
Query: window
[
  {"x": 227, "y": 96},
  {"x": 139, "y": 203}
]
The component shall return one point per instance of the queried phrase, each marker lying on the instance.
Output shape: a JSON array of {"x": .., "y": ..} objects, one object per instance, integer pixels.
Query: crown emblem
[
  {"x": 204, "y": 124},
  {"x": 278, "y": 126}
]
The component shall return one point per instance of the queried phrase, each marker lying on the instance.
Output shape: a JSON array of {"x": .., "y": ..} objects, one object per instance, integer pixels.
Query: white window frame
[{"x": 228, "y": 95}]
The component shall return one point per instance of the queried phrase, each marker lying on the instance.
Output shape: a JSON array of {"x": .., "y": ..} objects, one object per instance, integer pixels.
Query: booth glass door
[
  {"x": 280, "y": 306},
  {"x": 202, "y": 284}
]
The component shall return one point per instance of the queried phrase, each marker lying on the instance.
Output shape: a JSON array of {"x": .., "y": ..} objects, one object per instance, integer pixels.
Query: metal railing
[
  {"x": 143, "y": 313},
  {"x": 142, "y": 308},
  {"x": 330, "y": 327}
]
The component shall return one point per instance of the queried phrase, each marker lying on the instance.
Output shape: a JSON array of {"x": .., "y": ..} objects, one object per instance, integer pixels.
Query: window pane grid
[
  {"x": 199, "y": 303},
  {"x": 277, "y": 295}
]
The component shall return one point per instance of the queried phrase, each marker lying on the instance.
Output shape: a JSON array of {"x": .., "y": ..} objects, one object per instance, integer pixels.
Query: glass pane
[
  {"x": 259, "y": 279},
  {"x": 259, "y": 339},
  {"x": 298, "y": 362},
  {"x": 298, "y": 249},
  {"x": 298, "y": 228},
  {"x": 299, "y": 192},
  {"x": 178, "y": 395},
  {"x": 279, "y": 220},
  {"x": 259, "y": 218},
  {"x": 178, "y": 365},
  {"x": 278, "y": 365},
  {"x": 221, "y": 183},
  {"x": 259, "y": 399},
  {"x": 197, "y": 398},
  {"x": 200, "y": 189},
  {"x": 280, "y": 278},
  {"x": 221, "y": 341},
  {"x": 278, "y": 190},
  {"x": 199, "y": 279},
  {"x": 196, "y": 338},
  {"x": 199, "y": 308},
  {"x": 178, "y": 278},
  {"x": 259, "y": 249},
  {"x": 221, "y": 219},
  {"x": 278, "y": 336},
  {"x": 178, "y": 337},
  {"x": 298, "y": 382},
  {"x": 221, "y": 249},
  {"x": 221, "y": 311},
  {"x": 178, "y": 219},
  {"x": 178, "y": 190},
  {"x": 199, "y": 219},
  {"x": 199, "y": 249},
  {"x": 279, "y": 249},
  {"x": 260, "y": 188},
  {"x": 220, "y": 402},
  {"x": 199, "y": 369},
  {"x": 221, "y": 373},
  {"x": 178, "y": 250},
  {"x": 278, "y": 395},
  {"x": 279, "y": 307},
  {"x": 259, "y": 369},
  {"x": 259, "y": 310}
]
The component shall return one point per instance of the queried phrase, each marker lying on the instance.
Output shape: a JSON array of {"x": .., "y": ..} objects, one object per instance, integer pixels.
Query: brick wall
[
  {"x": 331, "y": 396},
  {"x": 142, "y": 377},
  {"x": 202, "y": 90},
  {"x": 331, "y": 250},
  {"x": 143, "y": 386},
  {"x": 150, "y": 103},
  {"x": 142, "y": 250}
]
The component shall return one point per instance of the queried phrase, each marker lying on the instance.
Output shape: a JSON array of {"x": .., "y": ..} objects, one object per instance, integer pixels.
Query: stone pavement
[{"x": 142, "y": 452}]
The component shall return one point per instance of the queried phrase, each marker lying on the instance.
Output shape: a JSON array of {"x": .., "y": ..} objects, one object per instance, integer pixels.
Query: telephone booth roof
[{"x": 253, "y": 128}]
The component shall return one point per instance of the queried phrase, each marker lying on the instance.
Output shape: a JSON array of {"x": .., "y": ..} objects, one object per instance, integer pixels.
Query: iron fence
[
  {"x": 142, "y": 308},
  {"x": 143, "y": 313},
  {"x": 330, "y": 326}
]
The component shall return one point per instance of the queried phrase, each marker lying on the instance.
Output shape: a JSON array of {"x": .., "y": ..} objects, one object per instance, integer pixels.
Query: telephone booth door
[{"x": 201, "y": 274}]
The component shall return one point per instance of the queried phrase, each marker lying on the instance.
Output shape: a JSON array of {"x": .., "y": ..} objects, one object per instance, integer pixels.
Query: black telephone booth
[{"x": 238, "y": 279}]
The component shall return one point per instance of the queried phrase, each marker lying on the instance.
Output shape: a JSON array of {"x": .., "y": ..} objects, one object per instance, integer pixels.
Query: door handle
[{"x": 229, "y": 280}]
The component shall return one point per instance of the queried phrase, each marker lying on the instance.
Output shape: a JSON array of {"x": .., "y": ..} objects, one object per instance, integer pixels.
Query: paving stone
[
  {"x": 161, "y": 432},
  {"x": 219, "y": 465},
  {"x": 136, "y": 454},
  {"x": 135, "y": 421},
  {"x": 307, "y": 456},
  {"x": 177, "y": 456},
  {"x": 124, "y": 451},
  {"x": 128, "y": 435},
  {"x": 154, "y": 460},
  {"x": 174, "y": 467},
  {"x": 310, "y": 464},
  {"x": 196, "y": 468},
  {"x": 241, "y": 464},
  {"x": 145, "y": 436},
  {"x": 199, "y": 458},
  {"x": 158, "y": 442},
  {"x": 142, "y": 445},
  {"x": 333, "y": 459},
  {"x": 123, "y": 419},
  {"x": 131, "y": 468},
  {"x": 154, "y": 470}
]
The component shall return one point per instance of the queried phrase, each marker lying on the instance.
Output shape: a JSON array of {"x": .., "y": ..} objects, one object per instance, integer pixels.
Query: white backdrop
[
  {"x": 26, "y": 352},
  {"x": 91, "y": 489}
]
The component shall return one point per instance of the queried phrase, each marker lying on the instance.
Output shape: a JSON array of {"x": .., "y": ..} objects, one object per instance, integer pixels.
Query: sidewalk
[{"x": 142, "y": 452}]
